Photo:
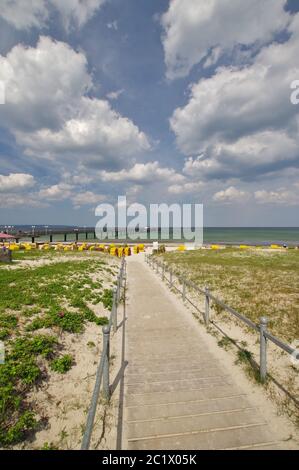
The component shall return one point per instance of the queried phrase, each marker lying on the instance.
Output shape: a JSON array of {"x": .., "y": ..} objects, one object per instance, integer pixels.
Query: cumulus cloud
[
  {"x": 204, "y": 29},
  {"x": 77, "y": 12},
  {"x": 114, "y": 95},
  {"x": 97, "y": 134},
  {"x": 15, "y": 182},
  {"x": 231, "y": 195},
  {"x": 143, "y": 172},
  {"x": 240, "y": 121},
  {"x": 186, "y": 188},
  {"x": 87, "y": 198},
  {"x": 56, "y": 192},
  {"x": 24, "y": 15},
  {"x": 14, "y": 200},
  {"x": 281, "y": 196},
  {"x": 63, "y": 191},
  {"x": 43, "y": 84},
  {"x": 16, "y": 191},
  {"x": 50, "y": 114}
]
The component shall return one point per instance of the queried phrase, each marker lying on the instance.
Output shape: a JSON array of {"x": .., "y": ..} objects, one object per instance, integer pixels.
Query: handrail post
[
  {"x": 106, "y": 351},
  {"x": 118, "y": 288},
  {"x": 163, "y": 272},
  {"x": 114, "y": 310},
  {"x": 184, "y": 290},
  {"x": 263, "y": 348},
  {"x": 157, "y": 267},
  {"x": 207, "y": 306}
]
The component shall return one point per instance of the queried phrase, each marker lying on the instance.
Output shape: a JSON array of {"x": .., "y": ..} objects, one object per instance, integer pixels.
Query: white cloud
[
  {"x": 43, "y": 84},
  {"x": 114, "y": 95},
  {"x": 247, "y": 157},
  {"x": 113, "y": 25},
  {"x": 77, "y": 12},
  {"x": 64, "y": 191},
  {"x": 240, "y": 121},
  {"x": 27, "y": 201},
  {"x": 57, "y": 192},
  {"x": 186, "y": 188},
  {"x": 96, "y": 134},
  {"x": 196, "y": 30},
  {"x": 132, "y": 191},
  {"x": 87, "y": 198},
  {"x": 281, "y": 196},
  {"x": 15, "y": 182},
  {"x": 231, "y": 195},
  {"x": 15, "y": 191},
  {"x": 143, "y": 172},
  {"x": 200, "y": 165},
  {"x": 50, "y": 115},
  {"x": 24, "y": 14}
]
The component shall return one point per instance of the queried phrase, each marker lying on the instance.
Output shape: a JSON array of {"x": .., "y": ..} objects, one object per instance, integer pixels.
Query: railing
[
  {"x": 102, "y": 374},
  {"x": 163, "y": 268}
]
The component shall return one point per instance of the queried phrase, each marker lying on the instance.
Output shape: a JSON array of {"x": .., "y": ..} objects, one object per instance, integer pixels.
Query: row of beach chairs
[{"x": 112, "y": 249}]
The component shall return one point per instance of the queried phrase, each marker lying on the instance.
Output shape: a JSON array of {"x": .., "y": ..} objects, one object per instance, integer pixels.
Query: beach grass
[
  {"x": 256, "y": 282},
  {"x": 39, "y": 303}
]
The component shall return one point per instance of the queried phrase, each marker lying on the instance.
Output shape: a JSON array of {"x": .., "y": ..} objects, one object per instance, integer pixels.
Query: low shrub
[{"x": 62, "y": 364}]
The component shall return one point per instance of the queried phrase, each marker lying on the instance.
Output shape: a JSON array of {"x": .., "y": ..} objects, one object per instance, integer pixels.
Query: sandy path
[{"x": 181, "y": 390}]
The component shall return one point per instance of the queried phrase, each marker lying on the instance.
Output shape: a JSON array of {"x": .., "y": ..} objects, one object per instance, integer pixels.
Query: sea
[{"x": 219, "y": 235}]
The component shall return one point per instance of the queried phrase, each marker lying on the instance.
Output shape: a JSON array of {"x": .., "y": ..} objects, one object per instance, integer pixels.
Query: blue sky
[{"x": 182, "y": 101}]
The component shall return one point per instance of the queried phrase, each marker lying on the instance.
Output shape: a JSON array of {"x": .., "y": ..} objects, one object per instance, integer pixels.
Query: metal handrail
[
  {"x": 287, "y": 348},
  {"x": 234, "y": 312},
  {"x": 102, "y": 374},
  {"x": 261, "y": 327}
]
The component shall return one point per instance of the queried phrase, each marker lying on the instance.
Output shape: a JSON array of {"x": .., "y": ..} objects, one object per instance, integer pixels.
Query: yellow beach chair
[{"x": 181, "y": 248}]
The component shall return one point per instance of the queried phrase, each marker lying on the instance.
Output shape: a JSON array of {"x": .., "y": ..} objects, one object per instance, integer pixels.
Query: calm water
[
  {"x": 252, "y": 235},
  {"x": 226, "y": 235}
]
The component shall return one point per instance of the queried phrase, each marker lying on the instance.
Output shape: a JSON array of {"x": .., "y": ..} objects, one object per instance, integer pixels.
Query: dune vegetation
[
  {"x": 256, "y": 282},
  {"x": 44, "y": 297}
]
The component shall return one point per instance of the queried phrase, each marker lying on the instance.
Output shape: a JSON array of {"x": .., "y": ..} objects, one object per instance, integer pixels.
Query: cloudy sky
[{"x": 162, "y": 101}]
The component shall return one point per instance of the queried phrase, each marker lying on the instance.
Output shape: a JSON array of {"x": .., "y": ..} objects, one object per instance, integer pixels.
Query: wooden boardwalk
[{"x": 177, "y": 393}]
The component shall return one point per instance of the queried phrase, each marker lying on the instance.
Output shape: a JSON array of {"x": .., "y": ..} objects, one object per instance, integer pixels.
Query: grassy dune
[
  {"x": 38, "y": 304},
  {"x": 255, "y": 282}
]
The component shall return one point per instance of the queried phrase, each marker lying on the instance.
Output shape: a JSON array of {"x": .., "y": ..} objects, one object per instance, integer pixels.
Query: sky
[{"x": 180, "y": 101}]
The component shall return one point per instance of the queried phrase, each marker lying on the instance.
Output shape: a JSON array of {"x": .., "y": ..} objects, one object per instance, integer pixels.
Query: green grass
[
  {"x": 17, "y": 376},
  {"x": 62, "y": 364},
  {"x": 255, "y": 282},
  {"x": 57, "y": 295},
  {"x": 49, "y": 446},
  {"x": 226, "y": 343},
  {"x": 43, "y": 289}
]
